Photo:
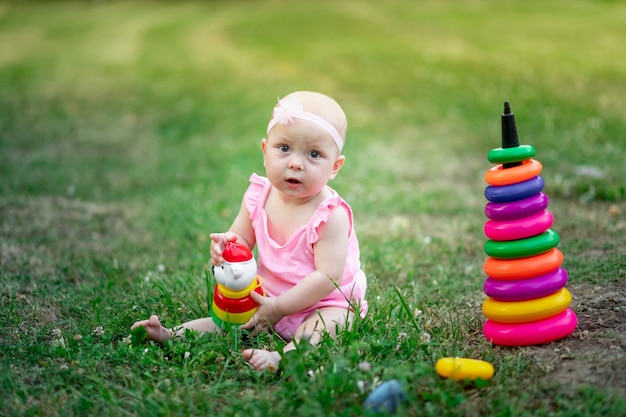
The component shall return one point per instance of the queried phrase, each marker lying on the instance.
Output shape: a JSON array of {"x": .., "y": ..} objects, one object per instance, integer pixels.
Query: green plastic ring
[
  {"x": 522, "y": 248},
  {"x": 507, "y": 155}
]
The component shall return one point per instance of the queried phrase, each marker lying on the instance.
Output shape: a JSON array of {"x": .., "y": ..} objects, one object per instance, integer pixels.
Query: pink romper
[{"x": 283, "y": 266}]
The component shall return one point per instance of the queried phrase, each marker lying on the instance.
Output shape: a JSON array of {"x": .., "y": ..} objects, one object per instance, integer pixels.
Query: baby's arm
[
  {"x": 240, "y": 231},
  {"x": 330, "y": 253}
]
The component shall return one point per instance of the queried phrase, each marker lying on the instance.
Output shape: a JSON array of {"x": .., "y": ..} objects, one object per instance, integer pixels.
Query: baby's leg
[
  {"x": 324, "y": 320},
  {"x": 331, "y": 320},
  {"x": 160, "y": 334}
]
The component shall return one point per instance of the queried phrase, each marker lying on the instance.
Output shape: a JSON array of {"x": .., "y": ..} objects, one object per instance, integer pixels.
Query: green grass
[{"x": 128, "y": 131}]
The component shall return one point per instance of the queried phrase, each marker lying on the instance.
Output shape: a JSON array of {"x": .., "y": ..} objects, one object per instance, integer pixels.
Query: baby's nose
[{"x": 295, "y": 162}]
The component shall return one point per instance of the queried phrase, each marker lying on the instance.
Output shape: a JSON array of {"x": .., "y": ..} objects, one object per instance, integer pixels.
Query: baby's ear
[{"x": 337, "y": 166}]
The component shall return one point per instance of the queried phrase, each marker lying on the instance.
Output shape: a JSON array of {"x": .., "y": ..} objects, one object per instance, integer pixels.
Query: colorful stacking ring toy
[
  {"x": 508, "y": 249},
  {"x": 532, "y": 333},
  {"x": 234, "y": 307},
  {"x": 525, "y": 289},
  {"x": 527, "y": 302},
  {"x": 514, "y": 192},
  {"x": 533, "y": 266},
  {"x": 499, "y": 176},
  {"x": 520, "y": 228},
  {"x": 517, "y": 209},
  {"x": 508, "y": 155},
  {"x": 528, "y": 310}
]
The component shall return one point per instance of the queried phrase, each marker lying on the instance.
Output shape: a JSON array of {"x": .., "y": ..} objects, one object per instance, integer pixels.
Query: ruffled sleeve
[
  {"x": 322, "y": 214},
  {"x": 255, "y": 194}
]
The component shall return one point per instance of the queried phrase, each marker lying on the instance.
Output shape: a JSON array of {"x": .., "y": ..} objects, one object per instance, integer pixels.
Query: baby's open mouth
[{"x": 293, "y": 181}]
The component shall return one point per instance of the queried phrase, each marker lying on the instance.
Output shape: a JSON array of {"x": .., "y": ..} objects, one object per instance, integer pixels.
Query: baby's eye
[
  {"x": 315, "y": 154},
  {"x": 283, "y": 148}
]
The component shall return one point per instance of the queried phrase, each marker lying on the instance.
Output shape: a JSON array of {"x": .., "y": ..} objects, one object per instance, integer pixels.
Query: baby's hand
[
  {"x": 267, "y": 315},
  {"x": 218, "y": 243}
]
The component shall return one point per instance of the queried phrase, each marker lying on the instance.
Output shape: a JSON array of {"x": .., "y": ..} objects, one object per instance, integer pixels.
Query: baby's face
[{"x": 300, "y": 158}]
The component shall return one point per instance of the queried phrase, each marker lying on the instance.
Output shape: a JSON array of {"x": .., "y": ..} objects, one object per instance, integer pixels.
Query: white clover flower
[
  {"x": 57, "y": 338},
  {"x": 401, "y": 337},
  {"x": 98, "y": 331}
]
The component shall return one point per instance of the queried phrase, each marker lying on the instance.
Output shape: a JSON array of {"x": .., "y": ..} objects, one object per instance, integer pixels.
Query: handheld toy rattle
[{"x": 236, "y": 278}]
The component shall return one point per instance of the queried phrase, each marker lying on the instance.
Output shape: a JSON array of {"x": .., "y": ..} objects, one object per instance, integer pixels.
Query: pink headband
[{"x": 291, "y": 108}]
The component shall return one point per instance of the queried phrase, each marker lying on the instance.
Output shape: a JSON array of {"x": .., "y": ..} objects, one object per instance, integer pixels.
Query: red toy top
[{"x": 236, "y": 252}]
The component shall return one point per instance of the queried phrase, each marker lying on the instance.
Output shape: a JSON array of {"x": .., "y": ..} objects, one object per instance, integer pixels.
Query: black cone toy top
[{"x": 509, "y": 133}]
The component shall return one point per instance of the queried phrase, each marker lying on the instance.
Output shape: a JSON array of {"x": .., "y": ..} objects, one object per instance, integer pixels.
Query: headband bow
[{"x": 290, "y": 108}]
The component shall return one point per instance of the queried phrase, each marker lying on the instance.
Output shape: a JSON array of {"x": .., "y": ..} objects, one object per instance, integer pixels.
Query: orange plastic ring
[
  {"x": 500, "y": 176},
  {"x": 530, "y": 267}
]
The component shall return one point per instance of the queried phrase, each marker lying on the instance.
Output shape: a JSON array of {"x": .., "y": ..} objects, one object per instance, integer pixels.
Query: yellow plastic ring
[
  {"x": 228, "y": 293},
  {"x": 232, "y": 318}
]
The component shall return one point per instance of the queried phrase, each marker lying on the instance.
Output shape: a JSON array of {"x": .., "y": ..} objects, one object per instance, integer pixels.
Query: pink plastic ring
[
  {"x": 514, "y": 210},
  {"x": 520, "y": 228},
  {"x": 525, "y": 289},
  {"x": 532, "y": 333}
]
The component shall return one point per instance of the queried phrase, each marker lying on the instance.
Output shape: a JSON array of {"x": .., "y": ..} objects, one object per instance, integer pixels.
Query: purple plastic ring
[
  {"x": 514, "y": 192},
  {"x": 525, "y": 289},
  {"x": 519, "y": 229},
  {"x": 517, "y": 209}
]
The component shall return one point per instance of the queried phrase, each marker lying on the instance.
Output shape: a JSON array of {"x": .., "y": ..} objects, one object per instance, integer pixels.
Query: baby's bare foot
[
  {"x": 262, "y": 359},
  {"x": 155, "y": 330}
]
